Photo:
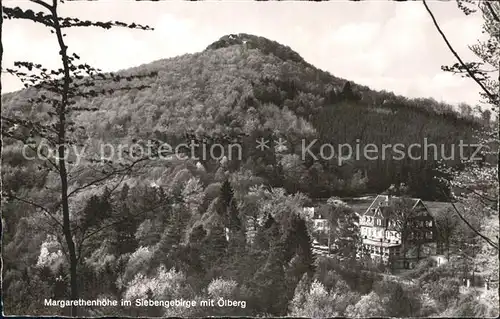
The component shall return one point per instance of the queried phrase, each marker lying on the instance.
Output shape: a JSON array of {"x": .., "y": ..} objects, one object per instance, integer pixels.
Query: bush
[
  {"x": 398, "y": 301},
  {"x": 474, "y": 305},
  {"x": 318, "y": 302},
  {"x": 436, "y": 273},
  {"x": 137, "y": 263},
  {"x": 370, "y": 305},
  {"x": 226, "y": 289},
  {"x": 444, "y": 291},
  {"x": 165, "y": 285}
]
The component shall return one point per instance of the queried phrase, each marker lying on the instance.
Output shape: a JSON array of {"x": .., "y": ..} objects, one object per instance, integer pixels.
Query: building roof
[{"x": 384, "y": 201}]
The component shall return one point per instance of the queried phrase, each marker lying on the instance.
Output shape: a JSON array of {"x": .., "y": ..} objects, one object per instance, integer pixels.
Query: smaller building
[{"x": 320, "y": 221}]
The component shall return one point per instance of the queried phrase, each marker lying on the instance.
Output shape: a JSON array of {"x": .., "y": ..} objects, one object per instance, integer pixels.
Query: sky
[{"x": 385, "y": 45}]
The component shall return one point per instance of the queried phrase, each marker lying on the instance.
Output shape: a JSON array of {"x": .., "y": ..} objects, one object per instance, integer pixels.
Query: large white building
[{"x": 387, "y": 238}]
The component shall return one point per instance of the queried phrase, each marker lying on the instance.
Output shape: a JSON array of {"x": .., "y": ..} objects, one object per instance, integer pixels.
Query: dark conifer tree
[
  {"x": 298, "y": 256},
  {"x": 171, "y": 239},
  {"x": 304, "y": 248},
  {"x": 96, "y": 210},
  {"x": 228, "y": 209},
  {"x": 125, "y": 241},
  {"x": 215, "y": 246},
  {"x": 197, "y": 235},
  {"x": 267, "y": 234},
  {"x": 269, "y": 291}
]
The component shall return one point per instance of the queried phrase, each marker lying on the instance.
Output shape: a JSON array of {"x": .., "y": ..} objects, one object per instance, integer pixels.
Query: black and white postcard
[{"x": 310, "y": 159}]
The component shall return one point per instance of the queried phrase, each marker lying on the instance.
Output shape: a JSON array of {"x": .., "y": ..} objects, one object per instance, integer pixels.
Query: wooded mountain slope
[{"x": 247, "y": 86}]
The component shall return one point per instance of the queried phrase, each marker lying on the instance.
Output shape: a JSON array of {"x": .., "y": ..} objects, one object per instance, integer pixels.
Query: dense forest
[
  {"x": 246, "y": 87},
  {"x": 229, "y": 228}
]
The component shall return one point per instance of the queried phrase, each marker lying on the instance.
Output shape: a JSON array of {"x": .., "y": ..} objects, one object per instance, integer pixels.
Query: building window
[{"x": 379, "y": 222}]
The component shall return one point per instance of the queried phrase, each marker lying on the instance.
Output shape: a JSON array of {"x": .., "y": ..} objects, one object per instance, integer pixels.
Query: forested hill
[{"x": 247, "y": 87}]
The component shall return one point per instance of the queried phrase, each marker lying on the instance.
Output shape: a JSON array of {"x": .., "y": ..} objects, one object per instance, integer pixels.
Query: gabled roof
[
  {"x": 381, "y": 202},
  {"x": 370, "y": 211}
]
